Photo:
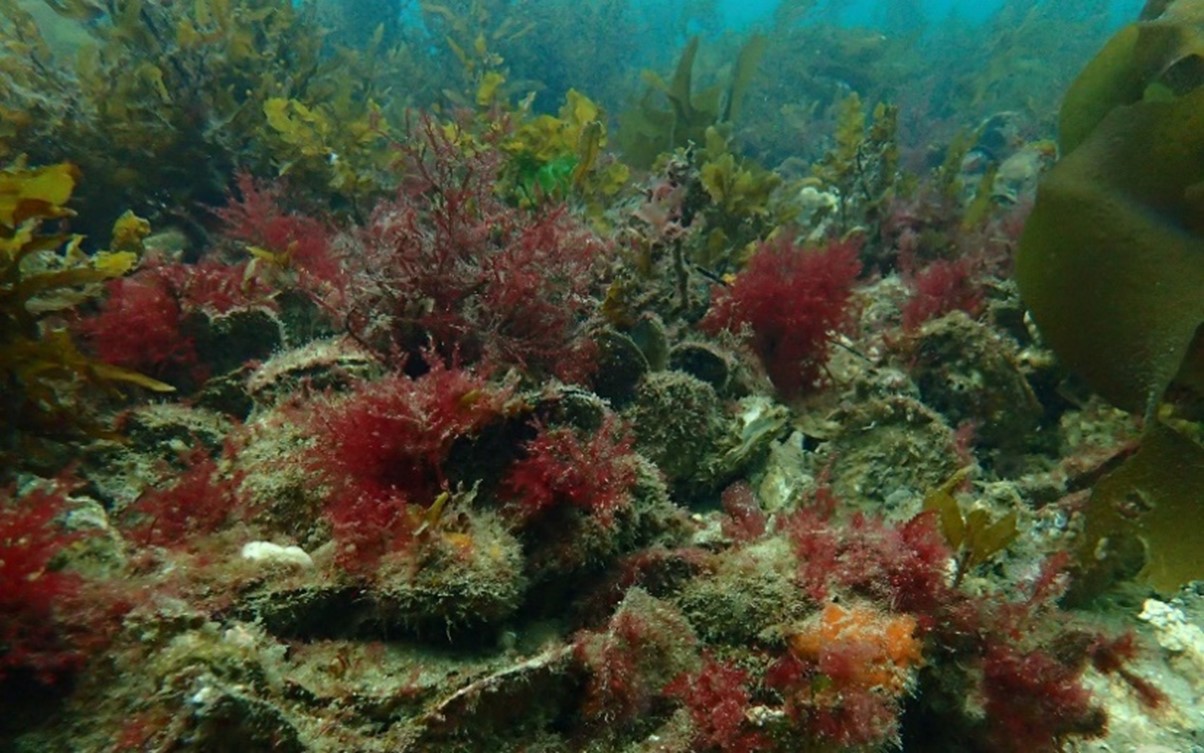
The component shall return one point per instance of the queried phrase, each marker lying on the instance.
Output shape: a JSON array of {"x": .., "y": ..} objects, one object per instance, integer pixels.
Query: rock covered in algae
[
  {"x": 316, "y": 606},
  {"x": 226, "y": 342},
  {"x": 1173, "y": 657},
  {"x": 749, "y": 593},
  {"x": 568, "y": 543},
  {"x": 166, "y": 428},
  {"x": 278, "y": 481},
  {"x": 224, "y": 717},
  {"x": 786, "y": 474},
  {"x": 889, "y": 450},
  {"x": 157, "y": 437},
  {"x": 680, "y": 423},
  {"x": 1018, "y": 174},
  {"x": 225, "y": 684},
  {"x": 703, "y": 361},
  {"x": 620, "y": 366},
  {"x": 970, "y": 373},
  {"x": 100, "y": 551},
  {"x": 332, "y": 363},
  {"x": 536, "y": 690},
  {"x": 1179, "y": 630},
  {"x": 697, "y": 441},
  {"x": 456, "y": 580}
]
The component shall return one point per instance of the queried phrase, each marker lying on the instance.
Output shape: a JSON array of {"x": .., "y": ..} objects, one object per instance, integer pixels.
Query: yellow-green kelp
[{"x": 1111, "y": 265}]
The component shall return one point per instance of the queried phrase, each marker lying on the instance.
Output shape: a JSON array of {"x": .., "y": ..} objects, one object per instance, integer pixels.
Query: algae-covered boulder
[{"x": 457, "y": 580}]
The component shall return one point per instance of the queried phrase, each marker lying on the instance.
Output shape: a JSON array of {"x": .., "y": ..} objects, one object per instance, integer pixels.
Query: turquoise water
[{"x": 738, "y": 13}]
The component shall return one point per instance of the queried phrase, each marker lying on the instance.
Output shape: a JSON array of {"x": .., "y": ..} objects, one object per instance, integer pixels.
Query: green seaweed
[
  {"x": 1111, "y": 262},
  {"x": 43, "y": 274},
  {"x": 650, "y": 129},
  {"x": 739, "y": 187},
  {"x": 975, "y": 537},
  {"x": 160, "y": 104},
  {"x": 472, "y": 32},
  {"x": 745, "y": 204},
  {"x": 1154, "y": 496},
  {"x": 348, "y": 146},
  {"x": 1111, "y": 265},
  {"x": 558, "y": 156},
  {"x": 863, "y": 164}
]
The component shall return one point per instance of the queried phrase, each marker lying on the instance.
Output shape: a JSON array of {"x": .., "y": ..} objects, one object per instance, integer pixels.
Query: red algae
[
  {"x": 484, "y": 439},
  {"x": 792, "y": 298}
]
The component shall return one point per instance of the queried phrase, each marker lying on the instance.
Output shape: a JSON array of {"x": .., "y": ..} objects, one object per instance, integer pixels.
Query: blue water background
[{"x": 743, "y": 13}]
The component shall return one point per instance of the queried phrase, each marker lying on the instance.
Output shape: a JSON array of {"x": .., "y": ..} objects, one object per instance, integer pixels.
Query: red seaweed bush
[
  {"x": 447, "y": 264},
  {"x": 944, "y": 286},
  {"x": 142, "y": 324},
  {"x": 209, "y": 286},
  {"x": 385, "y": 447},
  {"x": 846, "y": 673},
  {"x": 645, "y": 645},
  {"x": 904, "y": 566},
  {"x": 367, "y": 525},
  {"x": 32, "y": 639},
  {"x": 1034, "y": 700},
  {"x": 718, "y": 699},
  {"x": 594, "y": 474},
  {"x": 1020, "y": 662},
  {"x": 255, "y": 217},
  {"x": 946, "y": 254},
  {"x": 138, "y": 327},
  {"x": 198, "y": 501},
  {"x": 791, "y": 299}
]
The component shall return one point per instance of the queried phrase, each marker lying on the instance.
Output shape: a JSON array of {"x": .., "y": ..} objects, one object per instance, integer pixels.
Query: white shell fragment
[{"x": 267, "y": 552}]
